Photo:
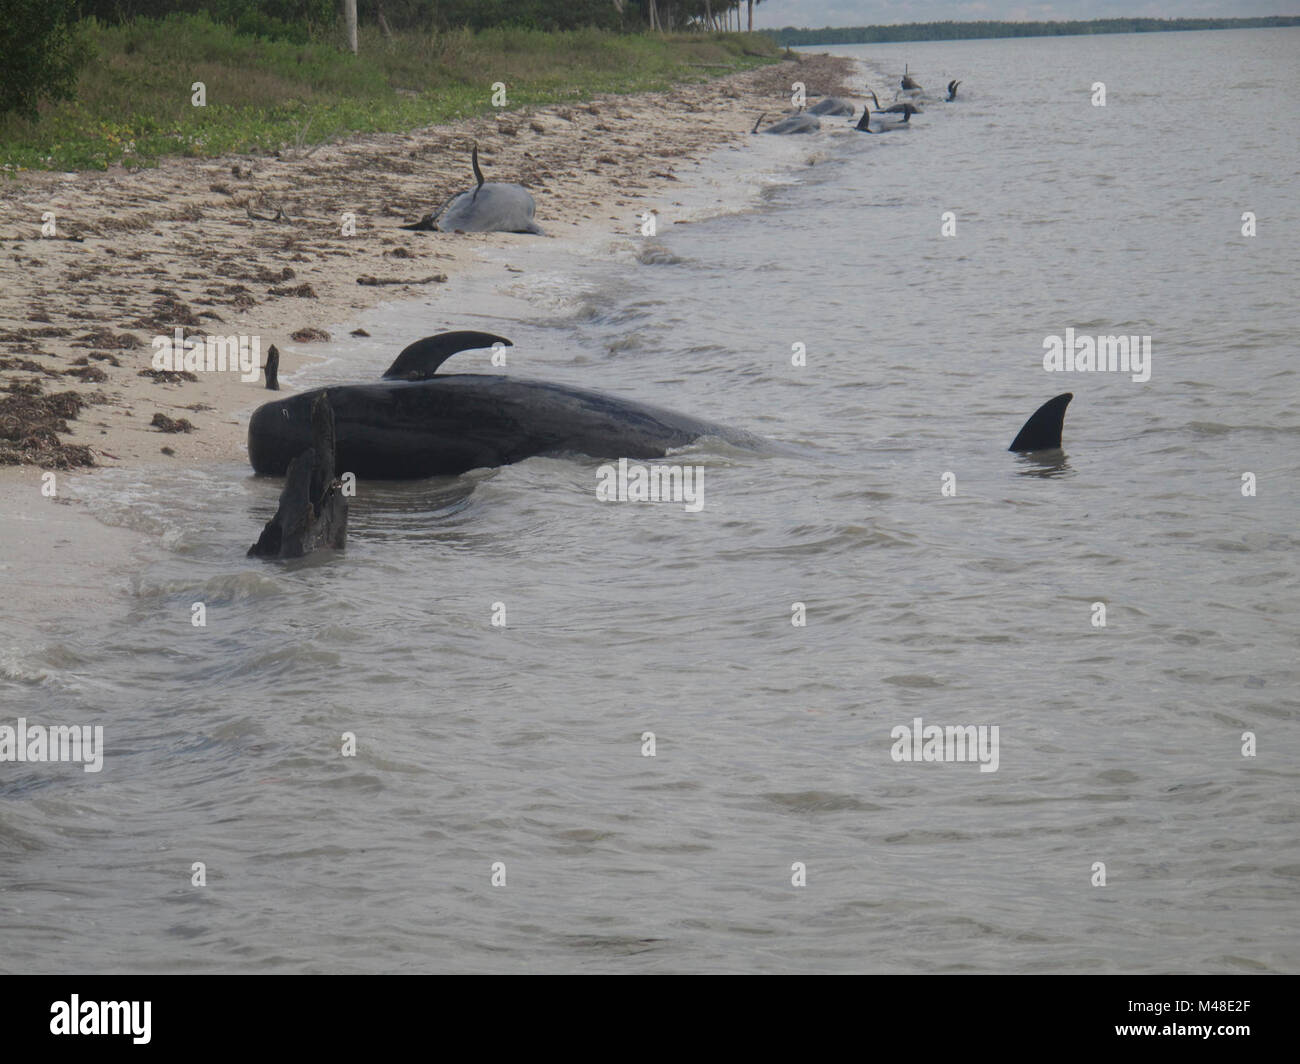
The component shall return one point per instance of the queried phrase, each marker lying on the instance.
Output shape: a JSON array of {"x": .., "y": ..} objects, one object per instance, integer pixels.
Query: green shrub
[{"x": 42, "y": 54}]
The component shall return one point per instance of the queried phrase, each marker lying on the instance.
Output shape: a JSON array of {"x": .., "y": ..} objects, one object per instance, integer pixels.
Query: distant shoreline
[{"x": 789, "y": 36}]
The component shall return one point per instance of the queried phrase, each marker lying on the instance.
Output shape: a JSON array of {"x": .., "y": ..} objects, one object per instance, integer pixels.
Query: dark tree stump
[{"x": 313, "y": 514}]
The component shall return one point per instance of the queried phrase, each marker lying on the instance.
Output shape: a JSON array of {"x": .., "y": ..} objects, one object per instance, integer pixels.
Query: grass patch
[{"x": 133, "y": 101}]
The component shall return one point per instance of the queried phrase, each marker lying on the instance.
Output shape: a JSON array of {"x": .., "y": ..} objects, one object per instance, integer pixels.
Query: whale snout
[{"x": 277, "y": 432}]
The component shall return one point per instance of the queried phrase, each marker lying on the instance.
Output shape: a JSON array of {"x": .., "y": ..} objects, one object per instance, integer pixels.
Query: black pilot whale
[{"x": 414, "y": 424}]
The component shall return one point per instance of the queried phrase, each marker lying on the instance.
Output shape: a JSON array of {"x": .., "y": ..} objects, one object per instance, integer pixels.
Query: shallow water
[{"x": 522, "y": 745}]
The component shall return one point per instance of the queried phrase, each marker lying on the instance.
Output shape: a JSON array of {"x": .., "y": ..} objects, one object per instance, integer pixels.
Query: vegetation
[
  {"x": 962, "y": 31},
  {"x": 294, "y": 17},
  {"x": 263, "y": 91},
  {"x": 42, "y": 54}
]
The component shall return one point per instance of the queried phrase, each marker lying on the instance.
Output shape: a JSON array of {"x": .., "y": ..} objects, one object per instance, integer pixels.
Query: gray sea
[{"x": 773, "y": 830}]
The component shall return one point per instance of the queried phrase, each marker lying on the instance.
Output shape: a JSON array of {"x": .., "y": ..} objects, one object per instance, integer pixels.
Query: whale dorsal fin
[
  {"x": 1043, "y": 429},
  {"x": 421, "y": 360},
  {"x": 478, "y": 174}
]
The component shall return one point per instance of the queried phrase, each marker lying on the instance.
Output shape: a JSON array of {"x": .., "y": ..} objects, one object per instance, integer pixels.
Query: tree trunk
[
  {"x": 313, "y": 512},
  {"x": 350, "y": 20},
  {"x": 751, "y": 16}
]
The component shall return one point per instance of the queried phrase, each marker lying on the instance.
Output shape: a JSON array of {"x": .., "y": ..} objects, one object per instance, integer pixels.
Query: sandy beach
[{"x": 255, "y": 246}]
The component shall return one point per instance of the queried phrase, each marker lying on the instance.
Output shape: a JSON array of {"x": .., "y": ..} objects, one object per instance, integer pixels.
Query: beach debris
[
  {"x": 272, "y": 369},
  {"x": 168, "y": 376},
  {"x": 433, "y": 278},
  {"x": 30, "y": 424},
  {"x": 163, "y": 423}
]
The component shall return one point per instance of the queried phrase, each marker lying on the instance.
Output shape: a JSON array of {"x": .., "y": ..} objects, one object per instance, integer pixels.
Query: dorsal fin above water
[
  {"x": 478, "y": 174},
  {"x": 421, "y": 360},
  {"x": 1043, "y": 429}
]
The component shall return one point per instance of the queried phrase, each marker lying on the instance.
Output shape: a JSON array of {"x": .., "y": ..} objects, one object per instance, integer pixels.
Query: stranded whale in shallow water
[
  {"x": 796, "y": 123},
  {"x": 414, "y": 424},
  {"x": 865, "y": 122},
  {"x": 832, "y": 105},
  {"x": 491, "y": 207}
]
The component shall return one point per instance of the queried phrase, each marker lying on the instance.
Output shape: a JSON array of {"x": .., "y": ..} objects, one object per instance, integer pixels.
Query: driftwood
[
  {"x": 313, "y": 513},
  {"x": 272, "y": 368},
  {"x": 433, "y": 278}
]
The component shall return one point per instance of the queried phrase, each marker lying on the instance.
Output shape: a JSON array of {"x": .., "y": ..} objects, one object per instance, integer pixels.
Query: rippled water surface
[{"x": 523, "y": 744}]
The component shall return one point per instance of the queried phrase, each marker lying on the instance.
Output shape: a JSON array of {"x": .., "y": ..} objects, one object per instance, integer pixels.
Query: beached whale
[
  {"x": 832, "y": 105},
  {"x": 490, "y": 207},
  {"x": 866, "y": 124},
  {"x": 796, "y": 123},
  {"x": 415, "y": 424}
]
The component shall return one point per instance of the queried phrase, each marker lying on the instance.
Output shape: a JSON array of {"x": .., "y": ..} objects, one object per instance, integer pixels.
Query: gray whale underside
[
  {"x": 447, "y": 425},
  {"x": 493, "y": 207}
]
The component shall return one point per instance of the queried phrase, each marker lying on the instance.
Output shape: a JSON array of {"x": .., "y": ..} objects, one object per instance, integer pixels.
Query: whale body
[
  {"x": 488, "y": 207},
  {"x": 493, "y": 207},
  {"x": 414, "y": 424},
  {"x": 792, "y": 125},
  {"x": 832, "y": 105}
]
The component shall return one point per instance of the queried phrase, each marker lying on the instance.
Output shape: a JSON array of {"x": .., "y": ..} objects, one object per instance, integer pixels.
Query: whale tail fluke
[
  {"x": 421, "y": 360},
  {"x": 1042, "y": 431}
]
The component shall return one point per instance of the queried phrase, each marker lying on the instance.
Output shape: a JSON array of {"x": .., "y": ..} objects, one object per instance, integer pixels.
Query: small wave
[{"x": 657, "y": 255}]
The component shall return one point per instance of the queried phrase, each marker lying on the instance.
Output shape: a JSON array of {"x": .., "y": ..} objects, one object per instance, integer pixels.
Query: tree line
[
  {"x": 44, "y": 49},
  {"x": 963, "y": 31},
  {"x": 292, "y": 18}
]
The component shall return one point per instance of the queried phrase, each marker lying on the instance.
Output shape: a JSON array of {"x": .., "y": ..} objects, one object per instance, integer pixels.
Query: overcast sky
[{"x": 772, "y": 14}]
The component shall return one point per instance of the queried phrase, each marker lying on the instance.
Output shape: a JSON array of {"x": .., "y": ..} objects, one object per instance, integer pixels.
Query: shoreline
[
  {"x": 59, "y": 553},
  {"x": 177, "y": 247}
]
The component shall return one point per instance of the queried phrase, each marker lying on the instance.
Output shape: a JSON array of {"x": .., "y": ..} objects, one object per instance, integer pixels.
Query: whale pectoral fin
[
  {"x": 421, "y": 360},
  {"x": 1043, "y": 429}
]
